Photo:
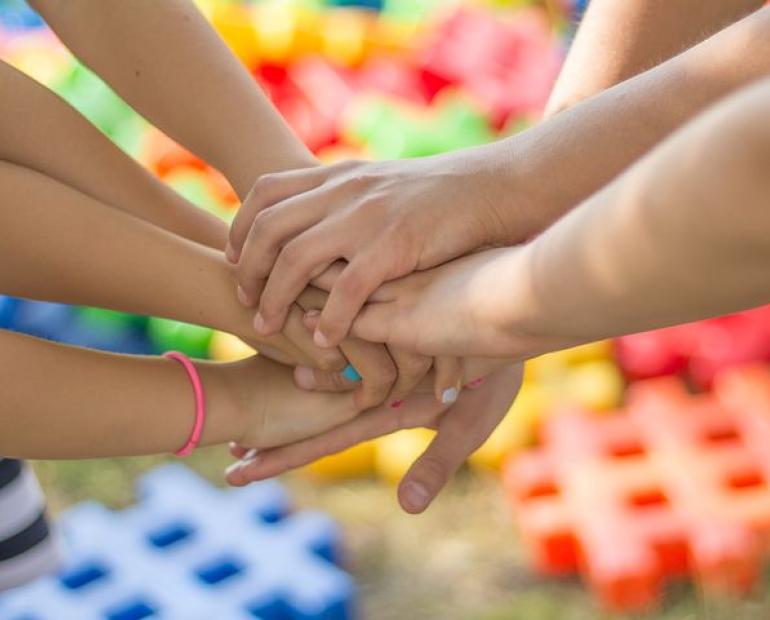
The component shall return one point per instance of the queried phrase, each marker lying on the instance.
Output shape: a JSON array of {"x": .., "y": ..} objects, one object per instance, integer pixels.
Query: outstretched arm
[
  {"x": 682, "y": 235},
  {"x": 618, "y": 40},
  {"x": 39, "y": 132},
  {"x": 164, "y": 58}
]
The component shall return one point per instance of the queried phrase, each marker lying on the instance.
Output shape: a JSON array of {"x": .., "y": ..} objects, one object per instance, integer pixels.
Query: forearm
[
  {"x": 39, "y": 130},
  {"x": 618, "y": 40},
  {"x": 554, "y": 166},
  {"x": 60, "y": 245},
  {"x": 64, "y": 402},
  {"x": 681, "y": 236},
  {"x": 163, "y": 57}
]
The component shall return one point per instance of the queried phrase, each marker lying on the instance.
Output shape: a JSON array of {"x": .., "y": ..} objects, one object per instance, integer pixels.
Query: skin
[
  {"x": 381, "y": 217},
  {"x": 252, "y": 402},
  {"x": 682, "y": 235}
]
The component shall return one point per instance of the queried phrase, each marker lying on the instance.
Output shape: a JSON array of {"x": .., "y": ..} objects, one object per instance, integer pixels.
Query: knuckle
[
  {"x": 264, "y": 186},
  {"x": 293, "y": 255},
  {"x": 352, "y": 284},
  {"x": 330, "y": 361}
]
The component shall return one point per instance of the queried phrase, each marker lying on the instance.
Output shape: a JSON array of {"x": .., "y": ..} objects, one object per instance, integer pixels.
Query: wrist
[
  {"x": 226, "y": 417},
  {"x": 519, "y": 315},
  {"x": 511, "y": 208}
]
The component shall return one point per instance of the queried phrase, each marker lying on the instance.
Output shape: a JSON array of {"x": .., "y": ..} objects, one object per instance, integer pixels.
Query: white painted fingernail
[
  {"x": 449, "y": 395},
  {"x": 250, "y": 455}
]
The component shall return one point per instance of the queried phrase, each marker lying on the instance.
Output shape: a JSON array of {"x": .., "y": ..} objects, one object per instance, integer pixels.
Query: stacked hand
[{"x": 386, "y": 220}]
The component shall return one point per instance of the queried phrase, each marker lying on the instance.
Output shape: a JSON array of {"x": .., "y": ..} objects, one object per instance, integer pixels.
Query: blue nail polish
[{"x": 350, "y": 373}]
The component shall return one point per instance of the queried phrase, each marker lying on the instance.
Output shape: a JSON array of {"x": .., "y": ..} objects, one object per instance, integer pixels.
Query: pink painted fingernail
[
  {"x": 304, "y": 377},
  {"x": 396, "y": 404},
  {"x": 475, "y": 383}
]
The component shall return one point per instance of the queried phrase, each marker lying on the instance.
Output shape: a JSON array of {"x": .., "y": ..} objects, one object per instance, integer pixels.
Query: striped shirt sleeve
[{"x": 27, "y": 549}]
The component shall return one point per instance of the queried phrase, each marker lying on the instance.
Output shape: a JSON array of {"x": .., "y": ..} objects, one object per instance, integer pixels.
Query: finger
[
  {"x": 270, "y": 231},
  {"x": 462, "y": 430},
  {"x": 350, "y": 292},
  {"x": 315, "y": 380},
  {"x": 268, "y": 190},
  {"x": 411, "y": 370},
  {"x": 376, "y": 368},
  {"x": 476, "y": 370},
  {"x": 449, "y": 379},
  {"x": 297, "y": 263},
  {"x": 417, "y": 412},
  {"x": 237, "y": 450},
  {"x": 326, "y": 280},
  {"x": 296, "y": 333}
]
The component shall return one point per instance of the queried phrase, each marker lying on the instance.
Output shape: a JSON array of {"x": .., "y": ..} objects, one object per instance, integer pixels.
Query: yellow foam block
[
  {"x": 345, "y": 35},
  {"x": 517, "y": 430},
  {"x": 397, "y": 452},
  {"x": 597, "y": 385},
  {"x": 228, "y": 348},
  {"x": 235, "y": 24},
  {"x": 355, "y": 462}
]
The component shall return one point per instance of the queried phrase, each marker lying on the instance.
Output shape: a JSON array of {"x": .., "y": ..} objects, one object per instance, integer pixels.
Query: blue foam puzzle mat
[{"x": 190, "y": 551}]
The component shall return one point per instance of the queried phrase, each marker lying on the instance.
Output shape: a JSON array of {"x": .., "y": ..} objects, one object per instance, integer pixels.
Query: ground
[{"x": 460, "y": 561}]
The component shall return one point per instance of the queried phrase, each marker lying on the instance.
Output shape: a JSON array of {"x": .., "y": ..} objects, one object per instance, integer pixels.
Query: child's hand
[
  {"x": 386, "y": 219},
  {"x": 476, "y": 306},
  {"x": 461, "y": 430},
  {"x": 270, "y": 409}
]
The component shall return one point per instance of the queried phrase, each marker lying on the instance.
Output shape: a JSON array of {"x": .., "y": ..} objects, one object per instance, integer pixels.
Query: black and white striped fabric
[{"x": 27, "y": 549}]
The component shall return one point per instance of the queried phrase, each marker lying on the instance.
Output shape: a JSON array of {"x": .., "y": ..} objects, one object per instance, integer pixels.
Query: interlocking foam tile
[
  {"x": 675, "y": 485},
  {"x": 697, "y": 350},
  {"x": 190, "y": 551}
]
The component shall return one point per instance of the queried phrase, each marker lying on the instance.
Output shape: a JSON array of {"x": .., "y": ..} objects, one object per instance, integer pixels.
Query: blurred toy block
[
  {"x": 675, "y": 484},
  {"x": 391, "y": 129},
  {"x": 697, "y": 350},
  {"x": 189, "y": 551},
  {"x": 356, "y": 462},
  {"x": 225, "y": 347},
  {"x": 509, "y": 65},
  {"x": 397, "y": 452}
]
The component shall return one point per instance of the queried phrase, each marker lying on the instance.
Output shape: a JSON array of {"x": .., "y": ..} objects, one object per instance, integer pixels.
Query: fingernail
[
  {"x": 243, "y": 297},
  {"x": 449, "y": 395},
  {"x": 321, "y": 340},
  {"x": 396, "y": 404},
  {"x": 350, "y": 373},
  {"x": 304, "y": 377},
  {"x": 310, "y": 318},
  {"x": 476, "y": 383},
  {"x": 233, "y": 468},
  {"x": 250, "y": 456},
  {"x": 415, "y": 496},
  {"x": 230, "y": 253},
  {"x": 259, "y": 323}
]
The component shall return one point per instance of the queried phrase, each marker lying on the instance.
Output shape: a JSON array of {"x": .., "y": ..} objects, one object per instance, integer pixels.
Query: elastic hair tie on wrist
[{"x": 200, "y": 402}]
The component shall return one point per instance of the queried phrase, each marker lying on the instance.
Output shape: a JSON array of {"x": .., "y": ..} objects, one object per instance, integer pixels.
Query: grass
[{"x": 460, "y": 561}]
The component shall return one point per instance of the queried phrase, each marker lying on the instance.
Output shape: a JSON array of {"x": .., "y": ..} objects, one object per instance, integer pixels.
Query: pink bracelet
[{"x": 200, "y": 402}]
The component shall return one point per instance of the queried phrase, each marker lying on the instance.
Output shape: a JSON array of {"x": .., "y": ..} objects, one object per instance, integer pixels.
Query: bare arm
[
  {"x": 618, "y": 40},
  {"x": 163, "y": 58},
  {"x": 42, "y": 132},
  {"x": 682, "y": 235}
]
